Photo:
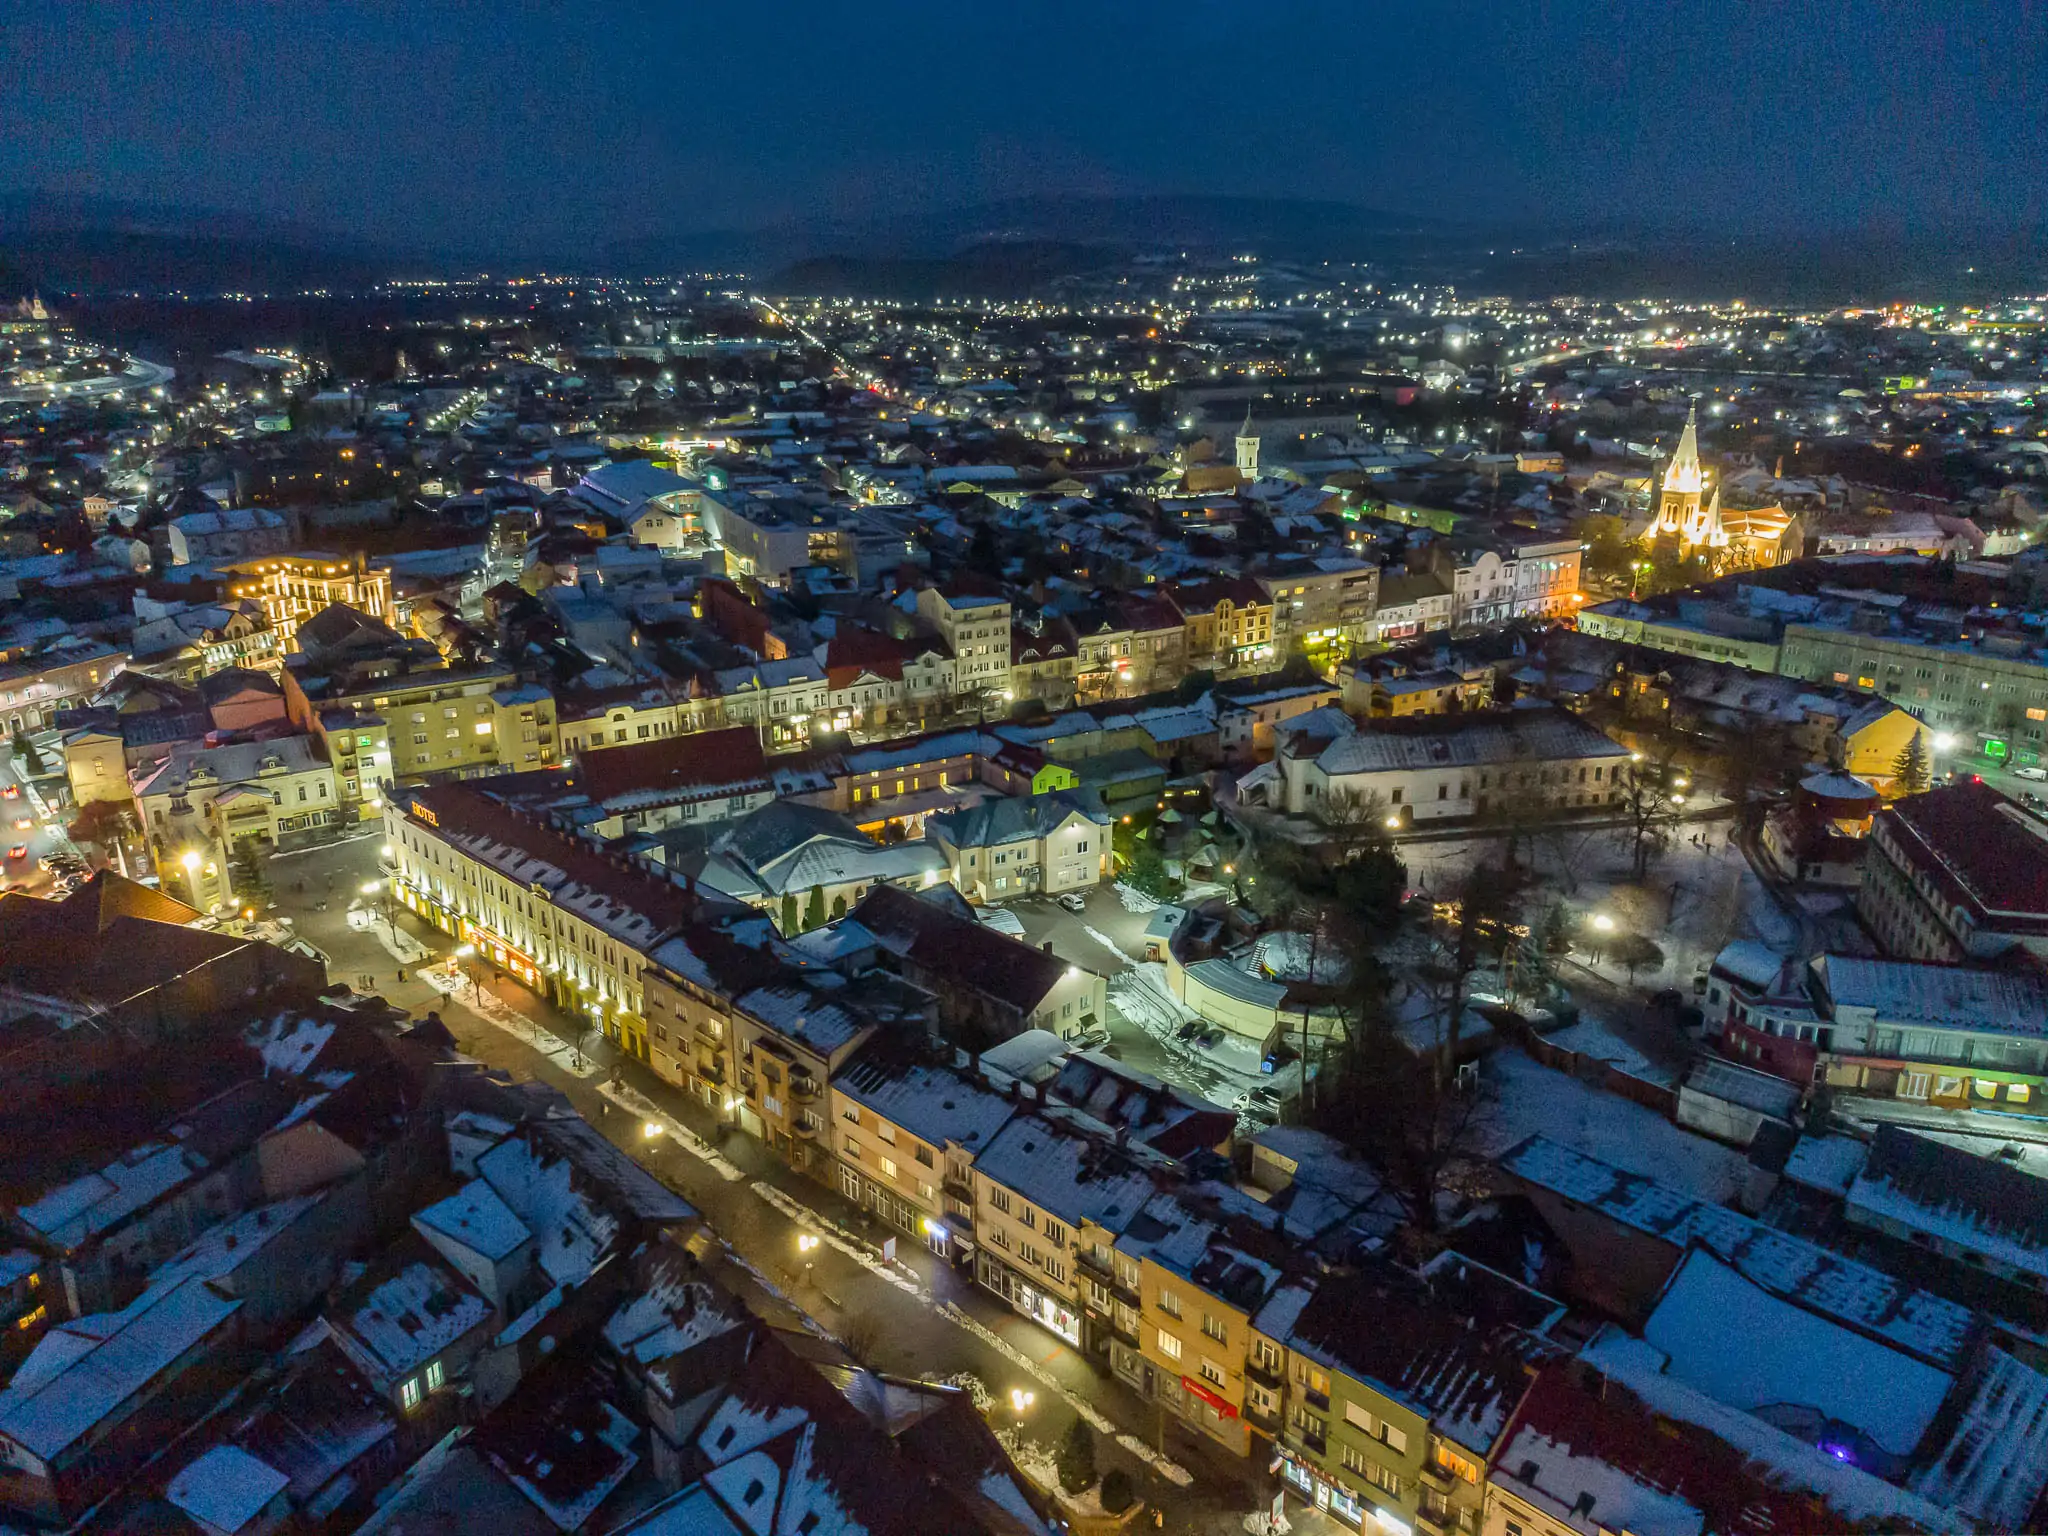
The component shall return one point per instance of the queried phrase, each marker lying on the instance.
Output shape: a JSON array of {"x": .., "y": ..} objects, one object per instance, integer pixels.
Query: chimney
[{"x": 1046, "y": 946}]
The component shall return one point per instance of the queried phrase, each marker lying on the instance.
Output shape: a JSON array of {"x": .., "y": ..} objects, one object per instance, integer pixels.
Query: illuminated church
[{"x": 1684, "y": 511}]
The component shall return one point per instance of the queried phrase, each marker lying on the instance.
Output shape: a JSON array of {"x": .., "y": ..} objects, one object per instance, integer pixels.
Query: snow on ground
[
  {"x": 1526, "y": 1098},
  {"x": 449, "y": 981},
  {"x": 1109, "y": 943},
  {"x": 1141, "y": 997},
  {"x": 1165, "y": 1466},
  {"x": 1135, "y": 900},
  {"x": 645, "y": 1110}
]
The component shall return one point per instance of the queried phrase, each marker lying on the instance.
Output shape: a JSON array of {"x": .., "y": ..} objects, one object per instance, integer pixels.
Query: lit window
[
  {"x": 1169, "y": 1346},
  {"x": 409, "y": 1393},
  {"x": 436, "y": 1374}
]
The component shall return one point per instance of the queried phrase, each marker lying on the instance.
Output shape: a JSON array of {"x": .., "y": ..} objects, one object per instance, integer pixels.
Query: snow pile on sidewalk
[{"x": 449, "y": 981}]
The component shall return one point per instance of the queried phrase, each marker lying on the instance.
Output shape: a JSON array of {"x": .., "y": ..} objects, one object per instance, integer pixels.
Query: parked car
[
  {"x": 2030, "y": 772},
  {"x": 1073, "y": 901},
  {"x": 18, "y": 851}
]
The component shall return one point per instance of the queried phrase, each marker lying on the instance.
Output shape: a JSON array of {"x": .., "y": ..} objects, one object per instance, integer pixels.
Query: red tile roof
[
  {"x": 1979, "y": 845},
  {"x": 709, "y": 758},
  {"x": 1561, "y": 1425},
  {"x": 518, "y": 845}
]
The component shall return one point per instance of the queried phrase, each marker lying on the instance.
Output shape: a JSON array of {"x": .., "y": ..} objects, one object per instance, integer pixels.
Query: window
[
  {"x": 436, "y": 1375},
  {"x": 1054, "y": 1232},
  {"x": 1213, "y": 1373},
  {"x": 887, "y": 1165},
  {"x": 1215, "y": 1327},
  {"x": 924, "y": 1156},
  {"x": 999, "y": 1198},
  {"x": 409, "y": 1393},
  {"x": 1169, "y": 1346},
  {"x": 852, "y": 1148},
  {"x": 1461, "y": 1467},
  {"x": 885, "y": 1133},
  {"x": 1169, "y": 1303}
]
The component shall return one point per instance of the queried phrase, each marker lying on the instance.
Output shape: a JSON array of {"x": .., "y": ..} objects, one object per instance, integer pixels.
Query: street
[{"x": 915, "y": 1316}]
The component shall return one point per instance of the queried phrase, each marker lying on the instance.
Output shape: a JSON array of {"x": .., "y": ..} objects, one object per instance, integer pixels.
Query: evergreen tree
[
  {"x": 814, "y": 909},
  {"x": 789, "y": 912},
  {"x": 838, "y": 906},
  {"x": 25, "y": 753},
  {"x": 1075, "y": 1457},
  {"x": 1910, "y": 768}
]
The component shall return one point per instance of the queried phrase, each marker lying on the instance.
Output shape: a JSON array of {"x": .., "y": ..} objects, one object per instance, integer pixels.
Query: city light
[{"x": 1603, "y": 922}]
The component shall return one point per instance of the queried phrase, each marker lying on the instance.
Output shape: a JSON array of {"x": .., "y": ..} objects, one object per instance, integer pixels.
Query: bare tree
[
  {"x": 1649, "y": 814},
  {"x": 1401, "y": 1099}
]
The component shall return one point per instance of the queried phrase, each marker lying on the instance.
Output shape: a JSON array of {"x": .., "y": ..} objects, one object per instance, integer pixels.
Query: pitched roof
[
  {"x": 712, "y": 762},
  {"x": 969, "y": 953},
  {"x": 1979, "y": 1204}
]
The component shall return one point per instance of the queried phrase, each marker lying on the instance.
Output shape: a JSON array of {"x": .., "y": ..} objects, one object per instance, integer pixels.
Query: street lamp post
[
  {"x": 806, "y": 1244},
  {"x": 382, "y": 894},
  {"x": 1020, "y": 1404},
  {"x": 463, "y": 955}
]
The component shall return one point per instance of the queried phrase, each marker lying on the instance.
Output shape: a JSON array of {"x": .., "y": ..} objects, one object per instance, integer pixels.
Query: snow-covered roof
[
  {"x": 86, "y": 1371},
  {"x": 476, "y": 1218},
  {"x": 1917, "y": 1321},
  {"x": 1785, "y": 1460},
  {"x": 1947, "y": 996},
  {"x": 225, "y": 1488},
  {"x": 1962, "y": 1201},
  {"x": 571, "y": 1231},
  {"x": 1995, "y": 1463},
  {"x": 934, "y": 1104},
  {"x": 399, "y": 1322},
  {"x": 1747, "y": 1348}
]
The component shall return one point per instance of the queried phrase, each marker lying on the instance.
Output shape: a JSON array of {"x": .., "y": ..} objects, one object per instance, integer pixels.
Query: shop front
[
  {"x": 1054, "y": 1313},
  {"x": 1309, "y": 1482}
]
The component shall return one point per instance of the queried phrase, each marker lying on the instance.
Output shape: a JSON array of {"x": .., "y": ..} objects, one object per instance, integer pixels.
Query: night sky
[{"x": 533, "y": 127}]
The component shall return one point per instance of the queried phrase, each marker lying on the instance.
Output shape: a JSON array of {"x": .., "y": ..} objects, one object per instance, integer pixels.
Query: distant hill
[
  {"x": 990, "y": 269},
  {"x": 57, "y": 243}
]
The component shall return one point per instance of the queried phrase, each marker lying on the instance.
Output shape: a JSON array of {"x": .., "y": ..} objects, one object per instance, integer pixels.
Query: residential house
[
  {"x": 990, "y": 987},
  {"x": 1030, "y": 845},
  {"x": 908, "y": 1130}
]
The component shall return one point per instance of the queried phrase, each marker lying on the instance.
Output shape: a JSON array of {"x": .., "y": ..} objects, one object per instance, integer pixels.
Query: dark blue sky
[{"x": 490, "y": 126}]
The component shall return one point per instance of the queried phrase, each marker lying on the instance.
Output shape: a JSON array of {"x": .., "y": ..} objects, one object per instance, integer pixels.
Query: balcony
[
  {"x": 1265, "y": 1373},
  {"x": 1266, "y": 1419},
  {"x": 803, "y": 1086},
  {"x": 708, "y": 1035},
  {"x": 1437, "y": 1480},
  {"x": 1303, "y": 1442},
  {"x": 1320, "y": 1401},
  {"x": 809, "y": 1130},
  {"x": 711, "y": 1071}
]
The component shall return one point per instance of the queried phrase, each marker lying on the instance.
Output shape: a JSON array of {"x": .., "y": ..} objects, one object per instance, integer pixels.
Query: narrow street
[{"x": 913, "y": 1316}]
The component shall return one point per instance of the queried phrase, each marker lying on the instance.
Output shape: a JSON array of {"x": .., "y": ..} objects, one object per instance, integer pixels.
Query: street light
[
  {"x": 806, "y": 1244},
  {"x": 463, "y": 954},
  {"x": 1020, "y": 1403},
  {"x": 375, "y": 888},
  {"x": 1603, "y": 922}
]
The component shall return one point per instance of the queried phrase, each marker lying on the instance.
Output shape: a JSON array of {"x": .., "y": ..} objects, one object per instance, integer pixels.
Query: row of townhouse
[
  {"x": 1092, "y": 1199},
  {"x": 536, "y": 901}
]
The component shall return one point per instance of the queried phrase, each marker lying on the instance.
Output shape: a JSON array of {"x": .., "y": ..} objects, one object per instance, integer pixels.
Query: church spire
[
  {"x": 1684, "y": 476},
  {"x": 1247, "y": 447}
]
